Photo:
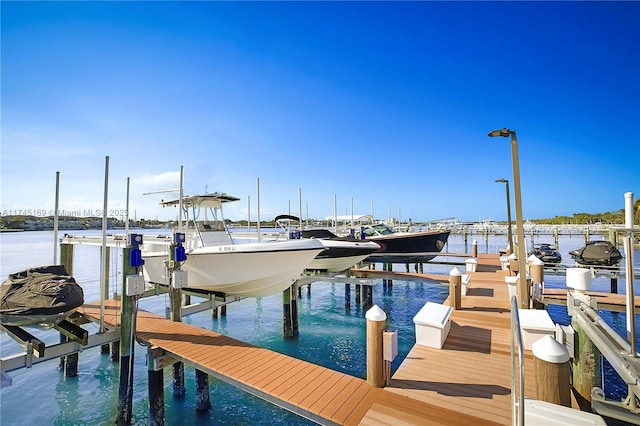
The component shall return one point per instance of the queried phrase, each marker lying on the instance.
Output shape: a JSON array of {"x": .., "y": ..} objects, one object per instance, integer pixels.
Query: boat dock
[{"x": 467, "y": 381}]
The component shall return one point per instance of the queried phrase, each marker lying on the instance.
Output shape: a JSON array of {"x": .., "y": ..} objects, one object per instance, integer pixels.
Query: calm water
[{"x": 330, "y": 335}]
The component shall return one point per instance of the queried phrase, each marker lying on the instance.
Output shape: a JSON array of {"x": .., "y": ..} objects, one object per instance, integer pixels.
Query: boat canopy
[{"x": 213, "y": 200}]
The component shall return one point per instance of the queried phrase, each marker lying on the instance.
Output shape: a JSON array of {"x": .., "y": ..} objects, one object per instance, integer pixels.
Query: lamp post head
[
  {"x": 504, "y": 132},
  {"x": 503, "y": 180}
]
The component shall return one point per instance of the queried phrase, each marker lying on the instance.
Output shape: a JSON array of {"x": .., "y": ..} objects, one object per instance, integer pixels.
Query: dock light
[
  {"x": 523, "y": 291},
  {"x": 509, "y": 235}
]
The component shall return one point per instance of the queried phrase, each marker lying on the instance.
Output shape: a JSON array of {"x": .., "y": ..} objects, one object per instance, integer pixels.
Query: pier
[{"x": 467, "y": 381}]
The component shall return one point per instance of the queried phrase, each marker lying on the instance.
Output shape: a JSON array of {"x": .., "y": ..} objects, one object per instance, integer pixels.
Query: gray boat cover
[{"x": 45, "y": 290}]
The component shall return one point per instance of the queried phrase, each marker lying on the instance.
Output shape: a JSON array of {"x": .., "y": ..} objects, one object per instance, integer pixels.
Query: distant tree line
[{"x": 614, "y": 218}]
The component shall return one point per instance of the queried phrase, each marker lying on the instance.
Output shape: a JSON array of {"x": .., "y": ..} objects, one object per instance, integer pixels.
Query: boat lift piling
[{"x": 132, "y": 288}]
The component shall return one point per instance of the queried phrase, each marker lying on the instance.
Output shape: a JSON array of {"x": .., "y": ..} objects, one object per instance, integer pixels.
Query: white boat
[{"x": 215, "y": 263}]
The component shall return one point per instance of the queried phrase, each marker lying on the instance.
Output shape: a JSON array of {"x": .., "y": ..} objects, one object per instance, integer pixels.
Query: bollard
[
  {"x": 551, "y": 364},
  {"x": 474, "y": 248},
  {"x": 536, "y": 270},
  {"x": 513, "y": 264},
  {"x": 455, "y": 289},
  {"x": 376, "y": 320}
]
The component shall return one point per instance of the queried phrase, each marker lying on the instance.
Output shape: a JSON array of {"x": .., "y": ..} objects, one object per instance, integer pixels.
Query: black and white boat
[
  {"x": 42, "y": 296},
  {"x": 341, "y": 253},
  {"x": 547, "y": 253},
  {"x": 597, "y": 253},
  {"x": 395, "y": 246}
]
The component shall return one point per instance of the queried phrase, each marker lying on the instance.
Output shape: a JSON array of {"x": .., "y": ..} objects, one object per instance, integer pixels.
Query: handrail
[{"x": 517, "y": 405}]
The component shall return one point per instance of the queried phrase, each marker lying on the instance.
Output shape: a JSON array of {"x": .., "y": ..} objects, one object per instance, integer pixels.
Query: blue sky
[{"x": 374, "y": 103}]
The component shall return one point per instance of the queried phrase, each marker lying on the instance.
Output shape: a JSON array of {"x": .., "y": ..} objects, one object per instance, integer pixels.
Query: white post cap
[
  {"x": 375, "y": 314},
  {"x": 550, "y": 350},
  {"x": 455, "y": 272}
]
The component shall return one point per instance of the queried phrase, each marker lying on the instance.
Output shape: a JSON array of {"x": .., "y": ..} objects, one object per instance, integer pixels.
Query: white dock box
[
  {"x": 538, "y": 412},
  {"x": 534, "y": 325},
  {"x": 432, "y": 324}
]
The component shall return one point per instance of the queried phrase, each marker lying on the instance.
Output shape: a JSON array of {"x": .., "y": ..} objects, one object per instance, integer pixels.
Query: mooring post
[
  {"x": 69, "y": 363},
  {"x": 177, "y": 256},
  {"x": 347, "y": 295},
  {"x": 455, "y": 289},
  {"x": 156, "y": 391},
  {"x": 290, "y": 311},
  {"x": 376, "y": 320},
  {"x": 358, "y": 295},
  {"x": 106, "y": 348},
  {"x": 203, "y": 402},
  {"x": 125, "y": 379},
  {"x": 553, "y": 375},
  {"x": 474, "y": 249}
]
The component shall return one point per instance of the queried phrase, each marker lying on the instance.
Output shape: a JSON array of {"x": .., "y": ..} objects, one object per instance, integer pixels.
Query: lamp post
[
  {"x": 509, "y": 236},
  {"x": 522, "y": 289}
]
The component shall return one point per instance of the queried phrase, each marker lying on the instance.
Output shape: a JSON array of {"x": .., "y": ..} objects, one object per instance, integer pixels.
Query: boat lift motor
[
  {"x": 135, "y": 259},
  {"x": 179, "y": 253},
  {"x": 135, "y": 282},
  {"x": 178, "y": 276}
]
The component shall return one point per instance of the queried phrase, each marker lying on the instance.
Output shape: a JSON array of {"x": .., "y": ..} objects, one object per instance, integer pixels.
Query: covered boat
[
  {"x": 546, "y": 253},
  {"x": 597, "y": 253},
  {"x": 43, "y": 296}
]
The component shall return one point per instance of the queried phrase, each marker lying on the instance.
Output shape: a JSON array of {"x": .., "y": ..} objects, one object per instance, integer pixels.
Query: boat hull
[
  {"x": 408, "y": 247},
  {"x": 342, "y": 254},
  {"x": 244, "y": 270}
]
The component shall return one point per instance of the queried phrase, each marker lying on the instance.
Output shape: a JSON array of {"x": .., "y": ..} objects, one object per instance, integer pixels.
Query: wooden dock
[{"x": 466, "y": 382}]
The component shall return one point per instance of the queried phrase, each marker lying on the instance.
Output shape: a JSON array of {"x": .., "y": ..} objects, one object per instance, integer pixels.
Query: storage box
[
  {"x": 534, "y": 325},
  {"x": 538, "y": 412},
  {"x": 466, "y": 278},
  {"x": 432, "y": 323},
  {"x": 511, "y": 286},
  {"x": 504, "y": 263},
  {"x": 471, "y": 264}
]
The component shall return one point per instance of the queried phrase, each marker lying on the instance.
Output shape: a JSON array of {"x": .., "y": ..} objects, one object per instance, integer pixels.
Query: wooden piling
[
  {"x": 290, "y": 312},
  {"x": 156, "y": 393},
  {"x": 376, "y": 320},
  {"x": 203, "y": 402},
  {"x": 347, "y": 295},
  {"x": 175, "y": 298},
  {"x": 106, "y": 348},
  {"x": 553, "y": 375},
  {"x": 586, "y": 367},
  {"x": 125, "y": 380},
  {"x": 455, "y": 289},
  {"x": 358, "y": 294}
]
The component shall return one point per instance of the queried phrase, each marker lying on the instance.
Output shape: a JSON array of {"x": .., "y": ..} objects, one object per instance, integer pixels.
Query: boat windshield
[{"x": 378, "y": 229}]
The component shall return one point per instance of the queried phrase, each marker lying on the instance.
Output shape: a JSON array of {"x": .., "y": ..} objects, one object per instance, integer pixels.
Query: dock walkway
[{"x": 465, "y": 382}]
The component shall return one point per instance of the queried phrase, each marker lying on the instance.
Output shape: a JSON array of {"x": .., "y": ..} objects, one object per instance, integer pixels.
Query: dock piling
[
  {"x": 551, "y": 364},
  {"x": 376, "y": 320},
  {"x": 156, "y": 391},
  {"x": 203, "y": 402}
]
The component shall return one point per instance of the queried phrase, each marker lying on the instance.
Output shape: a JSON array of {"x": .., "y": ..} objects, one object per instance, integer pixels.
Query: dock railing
[{"x": 517, "y": 367}]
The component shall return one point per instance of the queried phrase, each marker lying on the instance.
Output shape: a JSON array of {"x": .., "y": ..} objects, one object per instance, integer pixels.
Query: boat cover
[
  {"x": 45, "y": 290},
  {"x": 597, "y": 253}
]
